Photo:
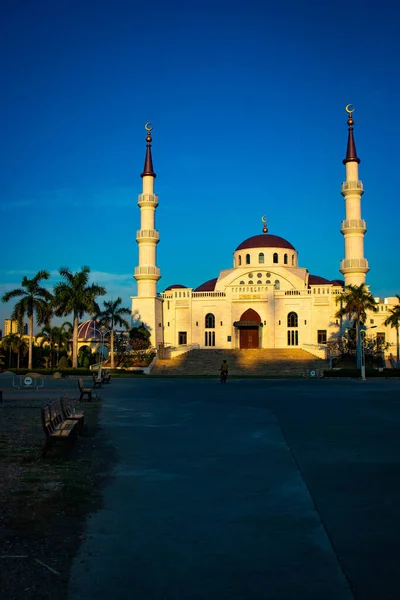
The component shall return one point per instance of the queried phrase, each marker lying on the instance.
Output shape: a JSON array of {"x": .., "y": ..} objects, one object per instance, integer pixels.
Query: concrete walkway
[{"x": 258, "y": 489}]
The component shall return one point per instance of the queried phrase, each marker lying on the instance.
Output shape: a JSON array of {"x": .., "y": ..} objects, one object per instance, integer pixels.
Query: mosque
[{"x": 266, "y": 300}]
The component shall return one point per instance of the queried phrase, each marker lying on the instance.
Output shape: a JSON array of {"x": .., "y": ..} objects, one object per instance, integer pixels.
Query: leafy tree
[
  {"x": 13, "y": 342},
  {"x": 85, "y": 357},
  {"x": 140, "y": 338},
  {"x": 56, "y": 338},
  {"x": 394, "y": 321},
  {"x": 355, "y": 301},
  {"x": 112, "y": 316},
  {"x": 35, "y": 300},
  {"x": 75, "y": 295}
]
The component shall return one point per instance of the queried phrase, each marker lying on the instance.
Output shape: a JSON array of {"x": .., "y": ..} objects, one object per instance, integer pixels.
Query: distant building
[{"x": 12, "y": 326}]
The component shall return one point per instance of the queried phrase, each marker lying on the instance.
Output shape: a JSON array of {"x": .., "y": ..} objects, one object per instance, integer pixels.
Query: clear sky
[{"x": 247, "y": 103}]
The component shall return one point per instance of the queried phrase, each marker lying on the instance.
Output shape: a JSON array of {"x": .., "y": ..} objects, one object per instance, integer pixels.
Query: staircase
[{"x": 257, "y": 363}]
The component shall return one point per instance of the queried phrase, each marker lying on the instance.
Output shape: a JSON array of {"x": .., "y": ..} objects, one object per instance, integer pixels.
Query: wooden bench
[
  {"x": 97, "y": 381},
  {"x": 84, "y": 391},
  {"x": 106, "y": 377},
  {"x": 56, "y": 427},
  {"x": 73, "y": 414}
]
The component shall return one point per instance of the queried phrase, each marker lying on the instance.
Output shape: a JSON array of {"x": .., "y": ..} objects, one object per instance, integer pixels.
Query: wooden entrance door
[{"x": 249, "y": 337}]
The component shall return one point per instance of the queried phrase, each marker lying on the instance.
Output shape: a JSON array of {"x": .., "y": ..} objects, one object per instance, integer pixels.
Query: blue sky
[{"x": 247, "y": 103}]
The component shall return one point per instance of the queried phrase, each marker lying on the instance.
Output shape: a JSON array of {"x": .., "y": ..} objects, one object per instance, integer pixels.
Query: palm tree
[
  {"x": 112, "y": 316},
  {"x": 14, "y": 342},
  {"x": 354, "y": 302},
  {"x": 394, "y": 321},
  {"x": 76, "y": 296},
  {"x": 56, "y": 338},
  {"x": 35, "y": 300}
]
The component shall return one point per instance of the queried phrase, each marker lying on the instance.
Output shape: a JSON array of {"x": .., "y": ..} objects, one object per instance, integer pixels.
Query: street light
[
  {"x": 364, "y": 331},
  {"x": 360, "y": 334},
  {"x": 103, "y": 332}
]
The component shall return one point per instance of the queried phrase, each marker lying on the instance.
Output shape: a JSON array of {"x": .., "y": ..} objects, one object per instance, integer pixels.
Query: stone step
[{"x": 262, "y": 362}]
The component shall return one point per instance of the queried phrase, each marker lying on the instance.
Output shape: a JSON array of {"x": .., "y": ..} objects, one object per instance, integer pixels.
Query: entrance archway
[{"x": 249, "y": 328}]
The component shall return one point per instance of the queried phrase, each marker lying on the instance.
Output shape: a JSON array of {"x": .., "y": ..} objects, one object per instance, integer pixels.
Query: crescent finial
[
  {"x": 264, "y": 220},
  {"x": 349, "y": 110},
  {"x": 147, "y": 126}
]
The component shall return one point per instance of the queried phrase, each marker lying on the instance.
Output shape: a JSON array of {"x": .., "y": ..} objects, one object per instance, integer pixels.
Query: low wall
[{"x": 320, "y": 351}]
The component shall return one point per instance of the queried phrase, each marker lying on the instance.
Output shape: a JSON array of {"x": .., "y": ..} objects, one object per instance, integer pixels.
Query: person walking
[{"x": 223, "y": 372}]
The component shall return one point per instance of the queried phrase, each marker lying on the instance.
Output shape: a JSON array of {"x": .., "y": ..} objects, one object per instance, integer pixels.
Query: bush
[{"x": 63, "y": 363}]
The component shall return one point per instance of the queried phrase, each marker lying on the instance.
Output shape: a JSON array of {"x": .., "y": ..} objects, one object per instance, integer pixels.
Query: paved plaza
[{"x": 260, "y": 489}]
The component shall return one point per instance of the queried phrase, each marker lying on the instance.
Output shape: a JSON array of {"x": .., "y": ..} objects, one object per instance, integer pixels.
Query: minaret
[
  {"x": 147, "y": 273},
  {"x": 354, "y": 266}
]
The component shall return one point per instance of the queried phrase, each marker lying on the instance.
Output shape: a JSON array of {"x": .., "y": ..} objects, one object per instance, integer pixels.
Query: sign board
[{"x": 28, "y": 381}]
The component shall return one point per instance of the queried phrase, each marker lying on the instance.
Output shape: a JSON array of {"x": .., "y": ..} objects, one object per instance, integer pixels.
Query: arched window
[
  {"x": 275, "y": 258},
  {"x": 277, "y": 284},
  {"x": 247, "y": 259},
  {"x": 285, "y": 259},
  {"x": 240, "y": 260},
  {"x": 261, "y": 258},
  {"x": 292, "y": 260},
  {"x": 292, "y": 320},
  {"x": 210, "y": 321}
]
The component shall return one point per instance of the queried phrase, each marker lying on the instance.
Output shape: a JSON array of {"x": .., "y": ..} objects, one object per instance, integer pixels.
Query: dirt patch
[{"x": 44, "y": 501}]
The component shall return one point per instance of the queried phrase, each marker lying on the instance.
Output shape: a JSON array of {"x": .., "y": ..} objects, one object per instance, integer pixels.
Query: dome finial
[
  {"x": 350, "y": 111},
  {"x": 265, "y": 228}
]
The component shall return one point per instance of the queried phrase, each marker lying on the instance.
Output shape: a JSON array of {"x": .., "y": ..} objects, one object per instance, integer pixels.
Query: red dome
[
  {"x": 265, "y": 240},
  {"x": 174, "y": 287},
  {"x": 207, "y": 286},
  {"x": 317, "y": 280}
]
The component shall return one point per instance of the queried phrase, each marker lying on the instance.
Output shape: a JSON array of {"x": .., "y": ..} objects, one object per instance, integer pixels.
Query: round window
[
  {"x": 268, "y": 274},
  {"x": 259, "y": 274},
  {"x": 250, "y": 274}
]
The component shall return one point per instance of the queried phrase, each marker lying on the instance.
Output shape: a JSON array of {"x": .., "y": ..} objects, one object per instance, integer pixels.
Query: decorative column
[
  {"x": 147, "y": 273},
  {"x": 354, "y": 266}
]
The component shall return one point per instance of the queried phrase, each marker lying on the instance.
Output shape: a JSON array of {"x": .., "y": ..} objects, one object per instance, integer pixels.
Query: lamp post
[
  {"x": 362, "y": 339},
  {"x": 103, "y": 332},
  {"x": 360, "y": 351}
]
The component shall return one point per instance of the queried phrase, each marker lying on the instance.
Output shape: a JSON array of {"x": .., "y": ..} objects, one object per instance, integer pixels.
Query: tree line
[{"x": 73, "y": 295}]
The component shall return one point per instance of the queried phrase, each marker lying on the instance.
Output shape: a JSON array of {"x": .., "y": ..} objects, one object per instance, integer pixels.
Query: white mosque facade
[{"x": 266, "y": 300}]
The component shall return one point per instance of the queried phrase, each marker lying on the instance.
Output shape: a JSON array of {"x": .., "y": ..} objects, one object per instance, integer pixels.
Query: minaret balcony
[
  {"x": 349, "y": 186},
  {"x": 148, "y": 199},
  {"x": 354, "y": 263},
  {"x": 150, "y": 235},
  {"x": 147, "y": 272},
  {"x": 354, "y": 226}
]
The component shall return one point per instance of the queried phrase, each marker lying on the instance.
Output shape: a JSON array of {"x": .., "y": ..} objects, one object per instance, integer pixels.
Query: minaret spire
[
  {"x": 351, "y": 154},
  {"x": 354, "y": 266},
  {"x": 148, "y": 161}
]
